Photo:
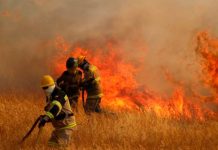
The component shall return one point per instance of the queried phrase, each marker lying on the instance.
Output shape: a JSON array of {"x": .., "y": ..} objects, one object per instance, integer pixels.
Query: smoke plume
[{"x": 161, "y": 33}]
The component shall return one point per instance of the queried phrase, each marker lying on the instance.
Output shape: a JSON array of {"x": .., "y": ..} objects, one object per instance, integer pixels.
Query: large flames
[{"x": 121, "y": 88}]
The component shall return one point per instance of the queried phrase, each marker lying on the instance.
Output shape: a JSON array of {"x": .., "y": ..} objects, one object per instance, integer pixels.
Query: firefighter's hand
[{"x": 43, "y": 120}]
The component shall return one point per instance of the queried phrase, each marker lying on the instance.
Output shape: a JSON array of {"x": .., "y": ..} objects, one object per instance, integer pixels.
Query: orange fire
[
  {"x": 208, "y": 50},
  {"x": 120, "y": 86}
]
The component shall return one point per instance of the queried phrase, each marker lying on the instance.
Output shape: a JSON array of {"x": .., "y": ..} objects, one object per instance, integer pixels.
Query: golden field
[{"x": 132, "y": 130}]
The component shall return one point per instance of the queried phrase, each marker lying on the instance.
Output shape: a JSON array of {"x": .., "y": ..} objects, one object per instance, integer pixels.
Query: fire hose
[{"x": 32, "y": 128}]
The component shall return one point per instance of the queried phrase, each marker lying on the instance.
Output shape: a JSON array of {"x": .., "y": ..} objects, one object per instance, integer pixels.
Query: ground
[{"x": 126, "y": 130}]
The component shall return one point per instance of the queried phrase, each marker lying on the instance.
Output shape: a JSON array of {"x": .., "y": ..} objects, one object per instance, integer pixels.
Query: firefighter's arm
[
  {"x": 49, "y": 115},
  {"x": 60, "y": 80},
  {"x": 88, "y": 78},
  {"x": 56, "y": 107}
]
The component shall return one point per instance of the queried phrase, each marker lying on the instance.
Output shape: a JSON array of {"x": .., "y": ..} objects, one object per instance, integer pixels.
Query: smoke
[{"x": 160, "y": 33}]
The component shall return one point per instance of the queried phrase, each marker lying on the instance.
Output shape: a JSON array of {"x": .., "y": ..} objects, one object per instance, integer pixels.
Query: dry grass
[{"x": 120, "y": 131}]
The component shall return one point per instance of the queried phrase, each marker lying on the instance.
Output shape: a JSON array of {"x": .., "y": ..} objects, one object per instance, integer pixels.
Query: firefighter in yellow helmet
[
  {"x": 58, "y": 112},
  {"x": 91, "y": 84},
  {"x": 70, "y": 81}
]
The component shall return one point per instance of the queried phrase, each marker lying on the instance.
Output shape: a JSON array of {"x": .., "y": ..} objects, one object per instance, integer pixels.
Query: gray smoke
[{"x": 164, "y": 30}]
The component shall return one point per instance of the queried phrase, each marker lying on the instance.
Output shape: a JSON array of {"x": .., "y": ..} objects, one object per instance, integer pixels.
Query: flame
[
  {"x": 121, "y": 88},
  {"x": 208, "y": 50}
]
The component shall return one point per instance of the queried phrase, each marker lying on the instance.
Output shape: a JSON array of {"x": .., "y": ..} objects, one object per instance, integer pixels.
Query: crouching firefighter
[
  {"x": 58, "y": 112},
  {"x": 91, "y": 84},
  {"x": 70, "y": 82}
]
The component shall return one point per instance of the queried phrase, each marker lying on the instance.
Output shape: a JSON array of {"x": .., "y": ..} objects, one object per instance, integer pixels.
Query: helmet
[
  {"x": 47, "y": 80},
  {"x": 81, "y": 59},
  {"x": 71, "y": 62}
]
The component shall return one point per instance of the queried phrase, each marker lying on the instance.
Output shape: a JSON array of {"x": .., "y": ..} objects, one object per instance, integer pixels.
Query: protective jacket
[
  {"x": 70, "y": 84},
  {"x": 91, "y": 81},
  {"x": 58, "y": 109}
]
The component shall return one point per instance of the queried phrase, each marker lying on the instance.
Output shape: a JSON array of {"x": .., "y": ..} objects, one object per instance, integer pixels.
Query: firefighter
[
  {"x": 70, "y": 82},
  {"x": 91, "y": 84},
  {"x": 58, "y": 112}
]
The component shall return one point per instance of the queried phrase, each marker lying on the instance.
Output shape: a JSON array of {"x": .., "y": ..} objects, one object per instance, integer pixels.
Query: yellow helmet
[
  {"x": 81, "y": 59},
  {"x": 47, "y": 80}
]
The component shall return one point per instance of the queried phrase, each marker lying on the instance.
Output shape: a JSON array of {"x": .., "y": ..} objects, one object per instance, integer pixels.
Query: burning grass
[{"x": 127, "y": 130}]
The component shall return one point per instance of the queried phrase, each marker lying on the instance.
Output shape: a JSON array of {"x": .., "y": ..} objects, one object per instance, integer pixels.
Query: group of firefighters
[{"x": 62, "y": 97}]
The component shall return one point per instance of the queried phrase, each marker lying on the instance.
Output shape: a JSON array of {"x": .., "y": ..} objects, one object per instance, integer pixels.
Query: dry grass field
[{"x": 132, "y": 130}]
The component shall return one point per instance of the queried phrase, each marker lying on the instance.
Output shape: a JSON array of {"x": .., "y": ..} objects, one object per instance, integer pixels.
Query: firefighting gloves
[{"x": 43, "y": 120}]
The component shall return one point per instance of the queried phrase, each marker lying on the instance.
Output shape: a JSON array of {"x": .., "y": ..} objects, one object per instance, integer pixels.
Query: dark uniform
[
  {"x": 91, "y": 84},
  {"x": 70, "y": 84},
  {"x": 60, "y": 113}
]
